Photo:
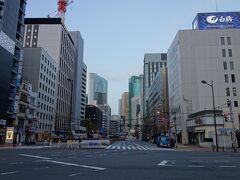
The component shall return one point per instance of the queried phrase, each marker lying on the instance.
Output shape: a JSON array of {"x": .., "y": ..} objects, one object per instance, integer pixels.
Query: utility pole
[{"x": 234, "y": 138}]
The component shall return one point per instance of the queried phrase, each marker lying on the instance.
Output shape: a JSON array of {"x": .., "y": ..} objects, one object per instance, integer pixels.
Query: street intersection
[{"x": 117, "y": 164}]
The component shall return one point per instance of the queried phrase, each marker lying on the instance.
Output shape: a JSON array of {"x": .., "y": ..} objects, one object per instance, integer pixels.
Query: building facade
[
  {"x": 125, "y": 110},
  {"x": 95, "y": 115},
  {"x": 79, "y": 92},
  {"x": 158, "y": 106},
  {"x": 152, "y": 64},
  {"x": 97, "y": 89},
  {"x": 197, "y": 55},
  {"x": 106, "y": 109},
  {"x": 12, "y": 14},
  {"x": 27, "y": 119},
  {"x": 52, "y": 35},
  {"x": 134, "y": 86},
  {"x": 40, "y": 69}
]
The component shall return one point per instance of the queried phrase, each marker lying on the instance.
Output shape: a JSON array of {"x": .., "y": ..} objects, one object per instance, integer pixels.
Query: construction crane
[{"x": 62, "y": 9}]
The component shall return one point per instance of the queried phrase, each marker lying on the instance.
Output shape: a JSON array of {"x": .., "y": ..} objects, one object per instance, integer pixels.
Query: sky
[{"x": 117, "y": 33}]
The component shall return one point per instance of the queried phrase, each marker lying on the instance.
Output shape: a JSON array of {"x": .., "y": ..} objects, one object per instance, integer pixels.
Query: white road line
[
  {"x": 118, "y": 147},
  {"x": 71, "y": 175},
  {"x": 38, "y": 157},
  {"x": 76, "y": 165},
  {"x": 113, "y": 147},
  {"x": 15, "y": 163},
  {"x": 134, "y": 148},
  {"x": 129, "y": 148},
  {"x": 167, "y": 163},
  {"x": 124, "y": 147},
  {"x": 42, "y": 168},
  {"x": 7, "y": 173},
  {"x": 195, "y": 166},
  {"x": 139, "y": 148},
  {"x": 227, "y": 166},
  {"x": 109, "y": 147}
]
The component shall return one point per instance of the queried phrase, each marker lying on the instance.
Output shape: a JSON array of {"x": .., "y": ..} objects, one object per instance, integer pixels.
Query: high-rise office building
[
  {"x": 79, "y": 92},
  {"x": 97, "y": 89},
  {"x": 125, "y": 110},
  {"x": 106, "y": 109},
  {"x": 40, "y": 69},
  {"x": 209, "y": 52},
  {"x": 52, "y": 35},
  {"x": 134, "y": 86},
  {"x": 12, "y": 14},
  {"x": 153, "y": 62}
]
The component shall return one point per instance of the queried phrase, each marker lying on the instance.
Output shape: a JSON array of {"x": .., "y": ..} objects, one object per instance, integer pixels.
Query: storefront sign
[{"x": 9, "y": 134}]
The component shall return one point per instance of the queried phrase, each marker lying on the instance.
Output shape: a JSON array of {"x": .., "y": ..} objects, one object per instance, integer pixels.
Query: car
[{"x": 164, "y": 141}]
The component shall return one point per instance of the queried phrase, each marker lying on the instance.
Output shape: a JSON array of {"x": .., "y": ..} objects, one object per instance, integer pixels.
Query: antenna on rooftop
[{"x": 216, "y": 1}]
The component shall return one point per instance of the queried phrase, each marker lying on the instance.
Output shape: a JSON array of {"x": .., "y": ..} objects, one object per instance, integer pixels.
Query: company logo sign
[{"x": 223, "y": 20}]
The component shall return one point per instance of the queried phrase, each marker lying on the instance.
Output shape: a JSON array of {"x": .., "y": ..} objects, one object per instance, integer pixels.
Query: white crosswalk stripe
[{"x": 136, "y": 146}]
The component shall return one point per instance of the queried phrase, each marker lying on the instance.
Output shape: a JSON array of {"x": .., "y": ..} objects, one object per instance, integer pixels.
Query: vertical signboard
[
  {"x": 9, "y": 135},
  {"x": 220, "y": 20}
]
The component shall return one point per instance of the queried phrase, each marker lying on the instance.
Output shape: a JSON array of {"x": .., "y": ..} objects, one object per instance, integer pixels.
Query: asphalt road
[{"x": 116, "y": 164}]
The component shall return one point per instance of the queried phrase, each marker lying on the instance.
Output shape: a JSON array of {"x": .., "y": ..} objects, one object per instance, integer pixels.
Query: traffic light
[{"x": 225, "y": 116}]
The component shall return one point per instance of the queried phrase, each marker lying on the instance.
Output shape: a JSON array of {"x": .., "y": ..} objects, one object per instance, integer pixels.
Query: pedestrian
[{"x": 14, "y": 142}]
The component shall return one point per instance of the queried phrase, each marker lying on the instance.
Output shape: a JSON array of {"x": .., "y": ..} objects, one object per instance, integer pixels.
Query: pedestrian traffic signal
[{"x": 229, "y": 102}]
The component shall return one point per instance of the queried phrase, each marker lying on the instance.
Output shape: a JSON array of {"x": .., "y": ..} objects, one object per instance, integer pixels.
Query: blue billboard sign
[{"x": 217, "y": 20}]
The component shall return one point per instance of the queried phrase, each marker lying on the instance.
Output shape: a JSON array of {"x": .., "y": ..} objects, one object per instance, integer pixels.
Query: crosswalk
[{"x": 135, "y": 146}]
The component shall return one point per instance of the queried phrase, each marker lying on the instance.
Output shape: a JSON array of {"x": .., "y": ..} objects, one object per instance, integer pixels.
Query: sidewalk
[
  {"x": 10, "y": 146},
  {"x": 197, "y": 148}
]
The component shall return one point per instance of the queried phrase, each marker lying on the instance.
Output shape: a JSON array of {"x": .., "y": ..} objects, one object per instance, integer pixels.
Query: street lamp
[{"x": 214, "y": 110}]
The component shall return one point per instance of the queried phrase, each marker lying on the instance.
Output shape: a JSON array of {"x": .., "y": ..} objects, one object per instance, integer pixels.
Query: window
[
  {"x": 226, "y": 78},
  {"x": 228, "y": 91},
  {"x": 229, "y": 41},
  {"x": 40, "y": 75},
  {"x": 225, "y": 65},
  {"x": 40, "y": 85},
  {"x": 233, "y": 78},
  {"x": 43, "y": 57},
  {"x": 39, "y": 95},
  {"x": 222, "y": 41},
  {"x": 234, "y": 91},
  {"x": 230, "y": 52},
  {"x": 235, "y": 104},
  {"x": 223, "y": 53},
  {"x": 231, "y": 65}
]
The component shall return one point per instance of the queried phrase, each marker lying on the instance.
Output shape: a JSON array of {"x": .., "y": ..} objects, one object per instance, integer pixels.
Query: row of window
[
  {"x": 45, "y": 97},
  {"x": 49, "y": 63},
  {"x": 231, "y": 65},
  {"x": 45, "y": 107},
  {"x": 44, "y": 116},
  {"x": 228, "y": 41},
  {"x": 45, "y": 78},
  {"x": 234, "y": 91},
  {"x": 224, "y": 53},
  {"x": 227, "y": 78},
  {"x": 48, "y": 71},
  {"x": 46, "y": 89},
  {"x": 45, "y": 126}
]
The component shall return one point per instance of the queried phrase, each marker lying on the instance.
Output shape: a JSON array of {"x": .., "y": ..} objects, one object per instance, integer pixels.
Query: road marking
[
  {"x": 109, "y": 147},
  {"x": 15, "y": 163},
  {"x": 113, "y": 147},
  {"x": 129, "y": 148},
  {"x": 71, "y": 175},
  {"x": 42, "y": 168},
  {"x": 196, "y": 161},
  {"x": 7, "y": 173},
  {"x": 118, "y": 147},
  {"x": 221, "y": 161},
  {"x": 139, "y": 148},
  {"x": 195, "y": 166},
  {"x": 124, "y": 147},
  {"x": 167, "y": 163},
  {"x": 38, "y": 157},
  {"x": 227, "y": 166},
  {"x": 133, "y": 147},
  {"x": 76, "y": 165}
]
